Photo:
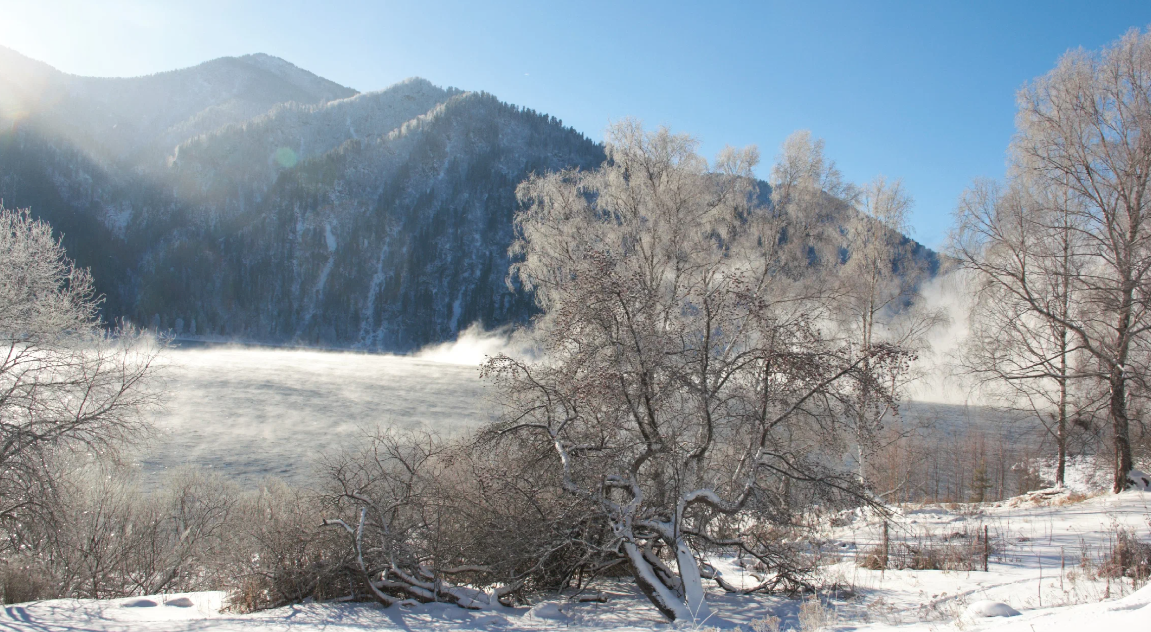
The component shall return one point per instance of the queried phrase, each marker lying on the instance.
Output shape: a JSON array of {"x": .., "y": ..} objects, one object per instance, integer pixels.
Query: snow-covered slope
[
  {"x": 228, "y": 161},
  {"x": 911, "y": 601},
  {"x": 389, "y": 241},
  {"x": 201, "y": 612},
  {"x": 1048, "y": 551}
]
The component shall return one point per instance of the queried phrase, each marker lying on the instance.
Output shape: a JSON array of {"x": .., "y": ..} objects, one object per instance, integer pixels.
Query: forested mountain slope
[
  {"x": 249, "y": 199},
  {"x": 388, "y": 242}
]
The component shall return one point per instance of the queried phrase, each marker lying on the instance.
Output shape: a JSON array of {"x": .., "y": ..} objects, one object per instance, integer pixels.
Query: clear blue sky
[{"x": 923, "y": 91}]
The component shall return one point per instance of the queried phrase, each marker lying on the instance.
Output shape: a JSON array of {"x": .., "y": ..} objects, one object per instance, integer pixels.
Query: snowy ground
[
  {"x": 256, "y": 412},
  {"x": 1044, "y": 555},
  {"x": 1025, "y": 574}
]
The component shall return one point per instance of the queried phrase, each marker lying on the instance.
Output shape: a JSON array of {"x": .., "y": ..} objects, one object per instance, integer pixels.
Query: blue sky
[{"x": 922, "y": 91}]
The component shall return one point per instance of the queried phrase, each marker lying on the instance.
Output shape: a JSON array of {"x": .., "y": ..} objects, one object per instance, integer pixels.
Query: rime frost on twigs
[
  {"x": 68, "y": 386},
  {"x": 692, "y": 397}
]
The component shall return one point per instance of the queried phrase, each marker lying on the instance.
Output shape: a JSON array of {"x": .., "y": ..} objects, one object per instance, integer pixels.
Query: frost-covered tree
[
  {"x": 877, "y": 299},
  {"x": 687, "y": 391},
  {"x": 809, "y": 197},
  {"x": 65, "y": 384},
  {"x": 1020, "y": 355},
  {"x": 1082, "y": 140}
]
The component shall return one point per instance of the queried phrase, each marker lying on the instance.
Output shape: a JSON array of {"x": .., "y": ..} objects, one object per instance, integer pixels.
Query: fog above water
[
  {"x": 250, "y": 413},
  {"x": 256, "y": 412}
]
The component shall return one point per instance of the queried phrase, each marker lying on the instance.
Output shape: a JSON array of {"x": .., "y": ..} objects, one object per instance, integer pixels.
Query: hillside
[
  {"x": 134, "y": 121},
  {"x": 388, "y": 242},
  {"x": 246, "y": 198}
]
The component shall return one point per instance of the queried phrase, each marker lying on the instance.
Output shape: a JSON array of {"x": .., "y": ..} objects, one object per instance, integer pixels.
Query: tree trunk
[
  {"x": 1061, "y": 428},
  {"x": 692, "y": 582},
  {"x": 1061, "y": 439},
  {"x": 1123, "y": 463},
  {"x": 666, "y": 600}
]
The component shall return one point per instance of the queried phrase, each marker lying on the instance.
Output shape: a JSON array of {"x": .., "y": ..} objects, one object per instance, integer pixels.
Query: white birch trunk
[
  {"x": 692, "y": 582},
  {"x": 665, "y": 599}
]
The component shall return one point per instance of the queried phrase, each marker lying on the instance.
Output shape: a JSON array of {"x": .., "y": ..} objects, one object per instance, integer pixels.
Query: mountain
[
  {"x": 388, "y": 242},
  {"x": 135, "y": 120},
  {"x": 247, "y": 198}
]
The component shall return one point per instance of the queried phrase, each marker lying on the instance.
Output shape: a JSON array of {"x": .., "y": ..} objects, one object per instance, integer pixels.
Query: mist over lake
[{"x": 250, "y": 413}]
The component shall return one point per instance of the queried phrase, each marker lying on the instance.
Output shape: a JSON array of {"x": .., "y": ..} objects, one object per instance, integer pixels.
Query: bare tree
[
  {"x": 105, "y": 537},
  {"x": 1022, "y": 357},
  {"x": 877, "y": 298},
  {"x": 1081, "y": 139},
  {"x": 65, "y": 384},
  {"x": 687, "y": 388},
  {"x": 808, "y": 195}
]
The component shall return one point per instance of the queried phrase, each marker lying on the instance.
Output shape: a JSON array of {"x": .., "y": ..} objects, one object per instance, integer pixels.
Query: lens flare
[{"x": 285, "y": 157}]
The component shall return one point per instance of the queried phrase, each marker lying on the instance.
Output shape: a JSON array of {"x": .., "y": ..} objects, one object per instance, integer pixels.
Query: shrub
[
  {"x": 815, "y": 615},
  {"x": 1128, "y": 557},
  {"x": 958, "y": 551},
  {"x": 282, "y": 555},
  {"x": 24, "y": 578}
]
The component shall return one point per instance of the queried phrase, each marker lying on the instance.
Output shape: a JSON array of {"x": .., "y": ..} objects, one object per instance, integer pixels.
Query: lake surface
[{"x": 257, "y": 412}]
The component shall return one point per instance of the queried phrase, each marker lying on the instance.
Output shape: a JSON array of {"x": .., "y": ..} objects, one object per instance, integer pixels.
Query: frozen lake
[{"x": 258, "y": 412}]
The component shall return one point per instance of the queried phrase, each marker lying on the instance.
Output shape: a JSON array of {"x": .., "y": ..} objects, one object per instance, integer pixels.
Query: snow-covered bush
[
  {"x": 815, "y": 615},
  {"x": 69, "y": 391},
  {"x": 67, "y": 384},
  {"x": 280, "y": 553},
  {"x": 23, "y": 577},
  {"x": 428, "y": 519},
  {"x": 100, "y": 535}
]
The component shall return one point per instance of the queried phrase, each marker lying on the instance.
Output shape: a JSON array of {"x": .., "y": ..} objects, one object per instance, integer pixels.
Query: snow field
[
  {"x": 1029, "y": 535},
  {"x": 1045, "y": 548}
]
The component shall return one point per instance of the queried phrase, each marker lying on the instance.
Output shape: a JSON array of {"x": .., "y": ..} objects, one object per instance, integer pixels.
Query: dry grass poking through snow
[
  {"x": 1127, "y": 556},
  {"x": 1046, "y": 548}
]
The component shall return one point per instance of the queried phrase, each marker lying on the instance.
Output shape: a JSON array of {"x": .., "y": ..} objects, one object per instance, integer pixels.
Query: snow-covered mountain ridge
[{"x": 130, "y": 119}]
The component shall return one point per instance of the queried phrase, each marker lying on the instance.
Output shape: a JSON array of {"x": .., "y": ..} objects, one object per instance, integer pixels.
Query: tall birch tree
[
  {"x": 1018, "y": 355},
  {"x": 877, "y": 299},
  {"x": 1081, "y": 140}
]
